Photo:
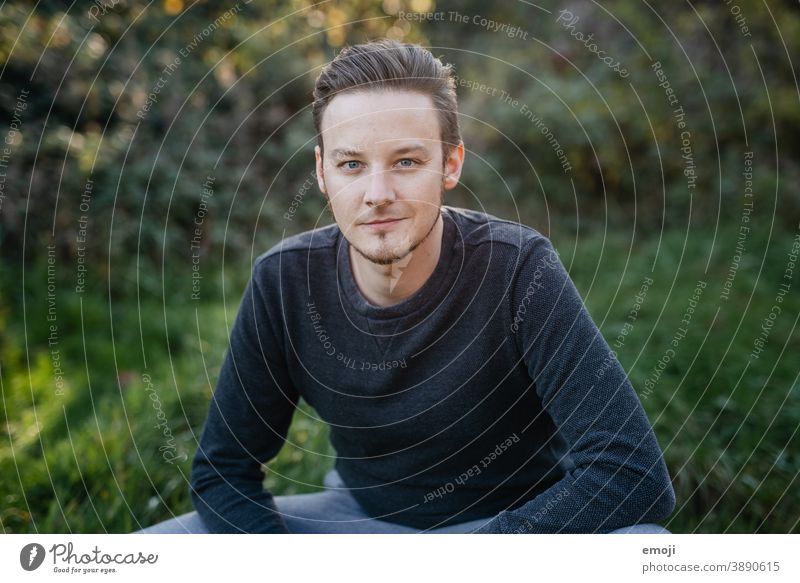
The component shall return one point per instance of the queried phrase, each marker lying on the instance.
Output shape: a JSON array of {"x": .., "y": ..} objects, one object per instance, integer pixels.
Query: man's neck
[{"x": 387, "y": 285}]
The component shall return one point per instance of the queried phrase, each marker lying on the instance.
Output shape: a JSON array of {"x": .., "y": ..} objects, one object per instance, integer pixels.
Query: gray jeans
[{"x": 335, "y": 511}]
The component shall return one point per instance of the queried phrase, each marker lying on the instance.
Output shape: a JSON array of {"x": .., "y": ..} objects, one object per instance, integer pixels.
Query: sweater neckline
[{"x": 435, "y": 285}]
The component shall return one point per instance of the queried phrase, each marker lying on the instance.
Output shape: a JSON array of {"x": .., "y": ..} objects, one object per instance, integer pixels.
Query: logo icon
[{"x": 31, "y": 556}]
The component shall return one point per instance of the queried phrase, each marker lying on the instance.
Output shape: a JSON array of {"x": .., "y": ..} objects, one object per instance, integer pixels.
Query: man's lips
[{"x": 383, "y": 221}]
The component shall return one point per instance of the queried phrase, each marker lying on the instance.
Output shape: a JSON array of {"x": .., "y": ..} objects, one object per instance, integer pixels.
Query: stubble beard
[{"x": 387, "y": 257}]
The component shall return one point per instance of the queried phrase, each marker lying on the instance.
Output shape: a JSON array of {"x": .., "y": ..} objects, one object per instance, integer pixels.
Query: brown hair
[{"x": 387, "y": 64}]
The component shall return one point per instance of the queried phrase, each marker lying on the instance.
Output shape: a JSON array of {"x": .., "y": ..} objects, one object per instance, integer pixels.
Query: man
[{"x": 447, "y": 349}]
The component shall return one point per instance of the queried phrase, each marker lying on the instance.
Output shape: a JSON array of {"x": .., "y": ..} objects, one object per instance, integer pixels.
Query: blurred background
[{"x": 152, "y": 149}]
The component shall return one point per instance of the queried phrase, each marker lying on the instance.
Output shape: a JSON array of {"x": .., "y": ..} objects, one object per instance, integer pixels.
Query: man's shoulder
[
  {"x": 480, "y": 228},
  {"x": 321, "y": 238}
]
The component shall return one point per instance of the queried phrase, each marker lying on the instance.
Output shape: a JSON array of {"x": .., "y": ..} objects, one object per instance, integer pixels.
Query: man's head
[{"x": 388, "y": 144}]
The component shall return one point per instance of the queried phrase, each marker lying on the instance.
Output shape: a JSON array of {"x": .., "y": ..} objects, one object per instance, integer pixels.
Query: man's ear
[
  {"x": 320, "y": 170},
  {"x": 452, "y": 166}
]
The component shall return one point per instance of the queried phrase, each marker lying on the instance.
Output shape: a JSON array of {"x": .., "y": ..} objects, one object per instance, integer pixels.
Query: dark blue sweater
[{"x": 460, "y": 402}]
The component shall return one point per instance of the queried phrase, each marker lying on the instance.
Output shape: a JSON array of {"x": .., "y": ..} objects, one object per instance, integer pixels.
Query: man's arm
[
  {"x": 620, "y": 477},
  {"x": 248, "y": 419}
]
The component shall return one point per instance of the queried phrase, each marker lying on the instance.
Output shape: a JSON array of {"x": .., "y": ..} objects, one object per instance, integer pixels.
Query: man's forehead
[
  {"x": 378, "y": 101},
  {"x": 380, "y": 119}
]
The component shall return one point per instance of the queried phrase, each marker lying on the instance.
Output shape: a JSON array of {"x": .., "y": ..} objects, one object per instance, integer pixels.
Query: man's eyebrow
[
  {"x": 413, "y": 147},
  {"x": 341, "y": 153},
  {"x": 346, "y": 152}
]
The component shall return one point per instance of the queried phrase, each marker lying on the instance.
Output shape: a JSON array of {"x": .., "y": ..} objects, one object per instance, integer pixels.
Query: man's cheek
[{"x": 346, "y": 190}]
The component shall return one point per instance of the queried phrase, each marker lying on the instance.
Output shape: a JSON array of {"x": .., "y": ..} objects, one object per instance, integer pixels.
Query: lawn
[{"x": 111, "y": 451}]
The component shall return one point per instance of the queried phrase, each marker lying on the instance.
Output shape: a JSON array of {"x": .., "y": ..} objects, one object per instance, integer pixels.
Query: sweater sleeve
[
  {"x": 619, "y": 476},
  {"x": 248, "y": 419}
]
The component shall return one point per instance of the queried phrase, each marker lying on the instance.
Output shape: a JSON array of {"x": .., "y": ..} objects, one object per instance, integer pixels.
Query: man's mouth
[{"x": 382, "y": 222}]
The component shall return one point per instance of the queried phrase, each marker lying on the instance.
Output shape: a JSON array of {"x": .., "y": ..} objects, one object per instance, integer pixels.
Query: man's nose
[{"x": 378, "y": 188}]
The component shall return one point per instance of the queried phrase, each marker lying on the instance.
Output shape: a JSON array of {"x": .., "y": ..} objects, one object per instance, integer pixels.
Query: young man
[{"x": 447, "y": 349}]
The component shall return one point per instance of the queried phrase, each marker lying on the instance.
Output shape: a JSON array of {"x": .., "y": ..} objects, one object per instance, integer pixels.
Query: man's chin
[{"x": 383, "y": 257}]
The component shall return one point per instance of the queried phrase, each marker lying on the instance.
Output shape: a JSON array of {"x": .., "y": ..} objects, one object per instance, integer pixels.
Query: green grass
[
  {"x": 727, "y": 423},
  {"x": 89, "y": 461}
]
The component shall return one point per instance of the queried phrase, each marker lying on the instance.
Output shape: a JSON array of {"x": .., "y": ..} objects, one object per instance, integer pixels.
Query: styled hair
[{"x": 387, "y": 64}]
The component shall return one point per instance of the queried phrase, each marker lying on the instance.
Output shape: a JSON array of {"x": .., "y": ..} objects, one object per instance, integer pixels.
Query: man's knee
[
  {"x": 647, "y": 528},
  {"x": 189, "y": 523}
]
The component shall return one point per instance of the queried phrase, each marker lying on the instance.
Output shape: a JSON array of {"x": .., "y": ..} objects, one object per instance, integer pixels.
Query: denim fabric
[{"x": 335, "y": 511}]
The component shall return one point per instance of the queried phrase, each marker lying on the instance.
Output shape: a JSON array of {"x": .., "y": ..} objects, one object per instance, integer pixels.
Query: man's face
[{"x": 383, "y": 162}]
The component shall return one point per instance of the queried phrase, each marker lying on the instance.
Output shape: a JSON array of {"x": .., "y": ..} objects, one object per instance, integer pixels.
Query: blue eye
[
  {"x": 408, "y": 160},
  {"x": 347, "y": 166}
]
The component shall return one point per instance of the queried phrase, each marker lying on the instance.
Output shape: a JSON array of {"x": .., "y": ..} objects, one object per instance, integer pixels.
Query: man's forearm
[
  {"x": 235, "y": 506},
  {"x": 587, "y": 502},
  {"x": 248, "y": 420}
]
